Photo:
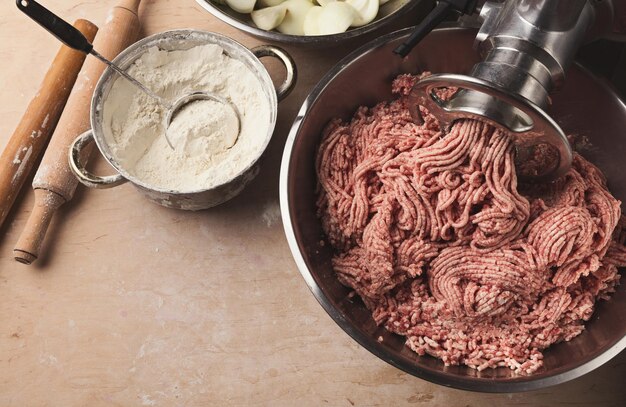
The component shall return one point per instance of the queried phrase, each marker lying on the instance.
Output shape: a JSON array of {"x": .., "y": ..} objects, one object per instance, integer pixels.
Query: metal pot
[
  {"x": 180, "y": 40},
  {"x": 585, "y": 107},
  {"x": 388, "y": 13}
]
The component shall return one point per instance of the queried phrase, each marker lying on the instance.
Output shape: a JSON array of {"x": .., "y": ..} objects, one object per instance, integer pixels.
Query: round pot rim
[{"x": 133, "y": 51}]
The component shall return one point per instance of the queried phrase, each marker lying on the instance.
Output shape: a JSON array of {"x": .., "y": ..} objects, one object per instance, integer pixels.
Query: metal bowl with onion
[
  {"x": 388, "y": 13},
  {"x": 446, "y": 50}
]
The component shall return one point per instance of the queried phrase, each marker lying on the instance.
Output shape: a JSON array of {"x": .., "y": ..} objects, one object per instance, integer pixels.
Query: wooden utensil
[
  {"x": 54, "y": 183},
  {"x": 39, "y": 121}
]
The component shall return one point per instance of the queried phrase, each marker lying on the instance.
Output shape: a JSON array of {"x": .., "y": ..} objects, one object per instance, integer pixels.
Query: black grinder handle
[
  {"x": 441, "y": 11},
  {"x": 58, "y": 27}
]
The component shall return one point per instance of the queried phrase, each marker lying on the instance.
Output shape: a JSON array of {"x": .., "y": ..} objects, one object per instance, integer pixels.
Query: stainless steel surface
[
  {"x": 551, "y": 15},
  {"x": 85, "y": 177},
  {"x": 179, "y": 40},
  {"x": 388, "y": 13},
  {"x": 528, "y": 37},
  {"x": 585, "y": 107},
  {"x": 291, "y": 75},
  {"x": 528, "y": 124},
  {"x": 526, "y": 47}
]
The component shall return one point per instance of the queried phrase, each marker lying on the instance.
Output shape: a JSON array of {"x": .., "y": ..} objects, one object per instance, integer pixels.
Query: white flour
[{"x": 207, "y": 150}]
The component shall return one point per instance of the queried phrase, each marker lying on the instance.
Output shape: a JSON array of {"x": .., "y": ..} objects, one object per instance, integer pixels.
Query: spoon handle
[
  {"x": 132, "y": 80},
  {"x": 58, "y": 27},
  {"x": 73, "y": 38}
]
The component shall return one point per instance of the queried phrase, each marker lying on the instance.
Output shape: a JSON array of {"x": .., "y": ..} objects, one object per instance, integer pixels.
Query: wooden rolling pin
[
  {"x": 39, "y": 121},
  {"x": 54, "y": 183}
]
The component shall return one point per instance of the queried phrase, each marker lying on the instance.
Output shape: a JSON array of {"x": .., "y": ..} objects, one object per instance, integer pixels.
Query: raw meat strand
[{"x": 432, "y": 232}]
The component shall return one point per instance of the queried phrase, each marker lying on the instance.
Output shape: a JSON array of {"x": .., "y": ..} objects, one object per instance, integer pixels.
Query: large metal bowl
[
  {"x": 585, "y": 106},
  {"x": 388, "y": 13}
]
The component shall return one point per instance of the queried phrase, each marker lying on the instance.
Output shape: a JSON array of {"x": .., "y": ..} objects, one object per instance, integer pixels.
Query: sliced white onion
[
  {"x": 366, "y": 11},
  {"x": 269, "y": 3},
  {"x": 293, "y": 23},
  {"x": 336, "y": 17},
  {"x": 269, "y": 18},
  {"x": 241, "y": 6},
  {"x": 311, "y": 21}
]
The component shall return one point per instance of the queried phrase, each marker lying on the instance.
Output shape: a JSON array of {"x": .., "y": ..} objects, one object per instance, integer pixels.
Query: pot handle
[
  {"x": 85, "y": 177},
  {"x": 292, "y": 73}
]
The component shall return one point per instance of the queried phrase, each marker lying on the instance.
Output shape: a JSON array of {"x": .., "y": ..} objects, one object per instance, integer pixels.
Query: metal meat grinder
[{"x": 526, "y": 47}]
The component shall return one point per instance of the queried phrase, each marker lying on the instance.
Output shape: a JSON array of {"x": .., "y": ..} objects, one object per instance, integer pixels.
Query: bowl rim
[
  {"x": 488, "y": 385},
  {"x": 305, "y": 39},
  {"x": 132, "y": 53}
]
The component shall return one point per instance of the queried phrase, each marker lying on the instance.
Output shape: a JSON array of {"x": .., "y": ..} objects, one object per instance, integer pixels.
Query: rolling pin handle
[
  {"x": 29, "y": 244},
  {"x": 64, "y": 31},
  {"x": 54, "y": 182}
]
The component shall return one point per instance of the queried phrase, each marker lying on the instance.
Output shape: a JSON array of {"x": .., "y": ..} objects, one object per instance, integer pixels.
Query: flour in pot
[{"x": 208, "y": 151}]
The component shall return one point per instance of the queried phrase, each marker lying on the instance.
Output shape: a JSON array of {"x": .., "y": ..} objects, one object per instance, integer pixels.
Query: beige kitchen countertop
[{"x": 135, "y": 304}]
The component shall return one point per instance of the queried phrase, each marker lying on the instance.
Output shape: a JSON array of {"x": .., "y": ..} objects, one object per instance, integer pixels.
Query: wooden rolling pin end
[
  {"x": 28, "y": 246},
  {"x": 24, "y": 257},
  {"x": 32, "y": 133},
  {"x": 121, "y": 29}
]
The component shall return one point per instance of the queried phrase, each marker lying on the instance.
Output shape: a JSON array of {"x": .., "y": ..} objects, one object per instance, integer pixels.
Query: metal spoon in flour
[{"x": 73, "y": 38}]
